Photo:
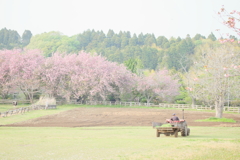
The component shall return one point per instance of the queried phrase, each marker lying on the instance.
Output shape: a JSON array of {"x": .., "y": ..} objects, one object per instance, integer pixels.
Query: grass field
[
  {"x": 112, "y": 143},
  {"x": 124, "y": 143},
  {"x": 214, "y": 119}
]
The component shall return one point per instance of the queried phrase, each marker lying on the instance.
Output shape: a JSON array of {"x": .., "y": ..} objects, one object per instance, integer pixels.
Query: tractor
[{"x": 172, "y": 127}]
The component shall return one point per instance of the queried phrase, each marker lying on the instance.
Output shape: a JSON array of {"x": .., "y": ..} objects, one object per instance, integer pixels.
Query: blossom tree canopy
[
  {"x": 160, "y": 84},
  {"x": 231, "y": 20},
  {"x": 19, "y": 69},
  {"x": 83, "y": 74},
  {"x": 6, "y": 80}
]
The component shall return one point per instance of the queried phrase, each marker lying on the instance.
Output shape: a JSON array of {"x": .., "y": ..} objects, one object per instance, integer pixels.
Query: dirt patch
[{"x": 89, "y": 117}]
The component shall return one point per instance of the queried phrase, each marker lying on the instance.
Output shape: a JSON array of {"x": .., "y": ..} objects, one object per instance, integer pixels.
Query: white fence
[
  {"x": 232, "y": 109},
  {"x": 161, "y": 105},
  {"x": 164, "y": 105},
  {"x": 22, "y": 110}
]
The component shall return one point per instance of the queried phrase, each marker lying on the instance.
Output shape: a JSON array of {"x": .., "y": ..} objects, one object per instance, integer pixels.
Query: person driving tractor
[{"x": 174, "y": 117}]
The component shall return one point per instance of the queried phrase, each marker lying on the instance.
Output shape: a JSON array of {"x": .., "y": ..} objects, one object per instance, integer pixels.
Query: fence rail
[
  {"x": 232, "y": 109},
  {"x": 160, "y": 105},
  {"x": 164, "y": 105},
  {"x": 23, "y": 110}
]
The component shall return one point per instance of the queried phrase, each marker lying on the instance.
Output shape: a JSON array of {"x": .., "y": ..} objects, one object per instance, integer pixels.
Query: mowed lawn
[
  {"x": 113, "y": 143},
  {"x": 25, "y": 143}
]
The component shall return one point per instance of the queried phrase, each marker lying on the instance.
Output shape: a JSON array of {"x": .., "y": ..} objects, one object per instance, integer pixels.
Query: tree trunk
[
  {"x": 219, "y": 107},
  {"x": 67, "y": 98}
]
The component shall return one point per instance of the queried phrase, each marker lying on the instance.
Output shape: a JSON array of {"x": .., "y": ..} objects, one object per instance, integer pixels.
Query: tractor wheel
[
  {"x": 176, "y": 133},
  {"x": 188, "y": 131},
  {"x": 167, "y": 134},
  {"x": 158, "y": 134},
  {"x": 184, "y": 131}
]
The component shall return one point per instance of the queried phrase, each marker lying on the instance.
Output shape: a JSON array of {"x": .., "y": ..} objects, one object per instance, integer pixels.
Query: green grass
[
  {"x": 214, "y": 119},
  {"x": 166, "y": 125},
  {"x": 117, "y": 143}
]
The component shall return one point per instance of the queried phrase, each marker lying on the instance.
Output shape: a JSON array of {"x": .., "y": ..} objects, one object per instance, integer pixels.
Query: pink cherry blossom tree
[
  {"x": 19, "y": 70},
  {"x": 231, "y": 20},
  {"x": 160, "y": 84},
  {"x": 84, "y": 75},
  {"x": 54, "y": 74},
  {"x": 6, "y": 79},
  {"x": 97, "y": 78},
  {"x": 25, "y": 68}
]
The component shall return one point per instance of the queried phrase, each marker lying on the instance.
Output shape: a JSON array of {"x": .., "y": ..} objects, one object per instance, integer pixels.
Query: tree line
[
  {"x": 152, "y": 52},
  {"x": 10, "y": 39},
  {"x": 199, "y": 69},
  {"x": 79, "y": 76}
]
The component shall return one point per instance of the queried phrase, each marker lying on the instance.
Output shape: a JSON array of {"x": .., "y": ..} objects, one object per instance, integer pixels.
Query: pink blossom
[
  {"x": 159, "y": 84},
  {"x": 226, "y": 75},
  {"x": 189, "y": 88}
]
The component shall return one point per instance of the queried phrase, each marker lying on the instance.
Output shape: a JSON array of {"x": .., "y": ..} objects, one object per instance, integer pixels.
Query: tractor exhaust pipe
[{"x": 183, "y": 113}]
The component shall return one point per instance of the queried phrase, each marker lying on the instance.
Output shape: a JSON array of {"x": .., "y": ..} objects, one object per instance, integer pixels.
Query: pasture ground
[
  {"x": 109, "y": 116},
  {"x": 108, "y": 133},
  {"x": 117, "y": 143}
]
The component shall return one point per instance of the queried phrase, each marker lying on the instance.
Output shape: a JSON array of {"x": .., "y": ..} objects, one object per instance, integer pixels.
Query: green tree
[
  {"x": 141, "y": 39},
  {"x": 52, "y": 42},
  {"x": 124, "y": 41},
  {"x": 110, "y": 33},
  {"x": 149, "y": 40},
  {"x": 149, "y": 57},
  {"x": 27, "y": 35},
  {"x": 9, "y": 39},
  {"x": 134, "y": 65},
  {"x": 133, "y": 41},
  {"x": 212, "y": 37}
]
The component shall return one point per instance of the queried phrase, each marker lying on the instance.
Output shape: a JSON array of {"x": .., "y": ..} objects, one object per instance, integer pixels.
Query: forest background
[{"x": 143, "y": 53}]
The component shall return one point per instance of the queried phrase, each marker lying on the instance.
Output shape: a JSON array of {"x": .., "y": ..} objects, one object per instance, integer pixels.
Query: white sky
[{"x": 161, "y": 17}]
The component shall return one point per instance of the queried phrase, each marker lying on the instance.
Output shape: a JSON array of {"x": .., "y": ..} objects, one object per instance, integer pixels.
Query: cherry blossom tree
[
  {"x": 160, "y": 84},
  {"x": 214, "y": 73},
  {"x": 230, "y": 19},
  {"x": 95, "y": 77},
  {"x": 84, "y": 75},
  {"x": 54, "y": 74},
  {"x": 6, "y": 79},
  {"x": 25, "y": 69},
  {"x": 19, "y": 71}
]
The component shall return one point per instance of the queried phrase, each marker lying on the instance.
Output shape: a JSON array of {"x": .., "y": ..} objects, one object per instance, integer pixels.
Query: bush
[{"x": 235, "y": 103}]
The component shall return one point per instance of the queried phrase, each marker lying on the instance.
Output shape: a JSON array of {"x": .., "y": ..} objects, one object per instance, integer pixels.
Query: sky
[{"x": 169, "y": 18}]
